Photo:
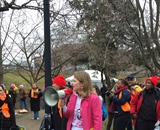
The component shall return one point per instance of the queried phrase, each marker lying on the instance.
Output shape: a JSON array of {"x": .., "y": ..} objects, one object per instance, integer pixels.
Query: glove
[
  {"x": 157, "y": 123},
  {"x": 111, "y": 95}
]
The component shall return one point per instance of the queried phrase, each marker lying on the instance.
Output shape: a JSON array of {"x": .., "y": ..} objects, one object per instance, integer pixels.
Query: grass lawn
[
  {"x": 14, "y": 78},
  {"x": 105, "y": 124},
  {"x": 106, "y": 121}
]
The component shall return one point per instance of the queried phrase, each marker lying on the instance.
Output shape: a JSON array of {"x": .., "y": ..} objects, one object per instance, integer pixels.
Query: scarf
[
  {"x": 33, "y": 94},
  {"x": 60, "y": 108},
  {"x": 120, "y": 89},
  {"x": 2, "y": 98},
  {"x": 116, "y": 93}
]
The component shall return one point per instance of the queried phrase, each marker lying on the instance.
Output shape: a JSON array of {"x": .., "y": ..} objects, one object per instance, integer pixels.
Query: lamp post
[{"x": 47, "y": 57}]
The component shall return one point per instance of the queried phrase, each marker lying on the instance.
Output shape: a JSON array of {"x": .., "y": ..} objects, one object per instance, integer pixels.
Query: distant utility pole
[{"x": 47, "y": 57}]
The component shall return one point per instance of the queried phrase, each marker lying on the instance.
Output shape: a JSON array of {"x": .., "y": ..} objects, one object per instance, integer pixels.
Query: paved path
[{"x": 25, "y": 120}]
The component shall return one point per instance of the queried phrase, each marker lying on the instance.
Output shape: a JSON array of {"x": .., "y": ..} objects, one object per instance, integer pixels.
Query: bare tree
[
  {"x": 132, "y": 26},
  {"x": 4, "y": 31},
  {"x": 6, "y": 27},
  {"x": 25, "y": 45},
  {"x": 105, "y": 40},
  {"x": 144, "y": 31},
  {"x": 18, "y": 5}
]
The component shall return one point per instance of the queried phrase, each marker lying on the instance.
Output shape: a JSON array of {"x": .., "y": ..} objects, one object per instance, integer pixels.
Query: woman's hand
[
  {"x": 134, "y": 115},
  {"x": 63, "y": 102},
  {"x": 36, "y": 93}
]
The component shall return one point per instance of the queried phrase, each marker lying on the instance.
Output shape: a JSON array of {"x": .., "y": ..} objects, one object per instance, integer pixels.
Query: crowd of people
[
  {"x": 133, "y": 105},
  {"x": 130, "y": 105}
]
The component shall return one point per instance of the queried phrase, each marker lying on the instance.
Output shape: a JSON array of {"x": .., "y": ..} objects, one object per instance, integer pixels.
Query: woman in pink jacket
[{"x": 84, "y": 110}]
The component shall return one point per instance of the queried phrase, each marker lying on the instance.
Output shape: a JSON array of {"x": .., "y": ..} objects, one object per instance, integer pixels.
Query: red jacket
[{"x": 136, "y": 103}]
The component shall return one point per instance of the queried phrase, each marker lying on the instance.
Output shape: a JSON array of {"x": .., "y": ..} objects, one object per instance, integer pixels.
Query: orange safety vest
[
  {"x": 125, "y": 107},
  {"x": 60, "y": 109},
  {"x": 32, "y": 93},
  {"x": 6, "y": 91},
  {"x": 5, "y": 110}
]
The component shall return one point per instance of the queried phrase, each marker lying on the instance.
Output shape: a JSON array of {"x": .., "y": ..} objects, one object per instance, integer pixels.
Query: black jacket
[
  {"x": 35, "y": 102},
  {"x": 58, "y": 123},
  {"x": 12, "y": 93},
  {"x": 6, "y": 123}
]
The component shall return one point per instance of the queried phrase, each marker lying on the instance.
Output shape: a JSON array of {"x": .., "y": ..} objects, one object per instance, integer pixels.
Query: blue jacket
[{"x": 118, "y": 102}]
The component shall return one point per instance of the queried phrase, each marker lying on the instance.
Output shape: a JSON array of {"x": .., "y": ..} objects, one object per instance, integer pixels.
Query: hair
[
  {"x": 2, "y": 87},
  {"x": 124, "y": 82},
  {"x": 84, "y": 78},
  {"x": 136, "y": 83},
  {"x": 97, "y": 90}
]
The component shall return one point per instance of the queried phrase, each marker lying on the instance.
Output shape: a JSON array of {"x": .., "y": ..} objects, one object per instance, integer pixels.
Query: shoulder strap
[{"x": 157, "y": 95}]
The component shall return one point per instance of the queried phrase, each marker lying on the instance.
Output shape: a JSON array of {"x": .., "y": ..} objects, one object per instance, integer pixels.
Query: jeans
[
  {"x": 23, "y": 102},
  {"x": 36, "y": 114}
]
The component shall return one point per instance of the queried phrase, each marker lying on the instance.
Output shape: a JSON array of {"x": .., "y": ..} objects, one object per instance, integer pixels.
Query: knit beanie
[
  {"x": 21, "y": 86},
  {"x": 154, "y": 80},
  {"x": 59, "y": 80},
  {"x": 12, "y": 85}
]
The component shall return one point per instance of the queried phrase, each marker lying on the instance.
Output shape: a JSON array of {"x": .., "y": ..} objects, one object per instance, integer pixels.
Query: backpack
[
  {"x": 135, "y": 89},
  {"x": 104, "y": 112}
]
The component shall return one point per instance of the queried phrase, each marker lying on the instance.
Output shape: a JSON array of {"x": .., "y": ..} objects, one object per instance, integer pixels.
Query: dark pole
[{"x": 47, "y": 57}]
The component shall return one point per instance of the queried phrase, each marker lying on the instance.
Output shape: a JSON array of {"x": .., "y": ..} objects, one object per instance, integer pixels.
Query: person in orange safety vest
[
  {"x": 7, "y": 115},
  {"x": 59, "y": 122},
  {"x": 35, "y": 95},
  {"x": 121, "y": 99}
]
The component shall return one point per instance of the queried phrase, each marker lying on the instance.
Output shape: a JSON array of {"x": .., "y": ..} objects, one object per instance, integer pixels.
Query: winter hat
[
  {"x": 156, "y": 76},
  {"x": 59, "y": 80},
  {"x": 13, "y": 85},
  {"x": 21, "y": 86},
  {"x": 153, "y": 79}
]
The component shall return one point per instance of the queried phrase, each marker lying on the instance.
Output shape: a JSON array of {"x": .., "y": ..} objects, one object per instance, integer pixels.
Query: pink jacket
[{"x": 91, "y": 112}]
